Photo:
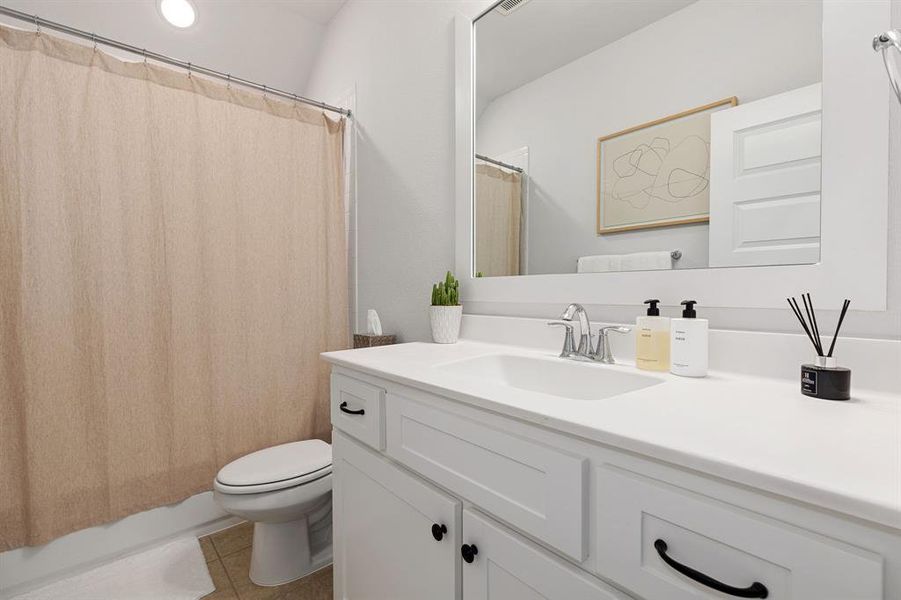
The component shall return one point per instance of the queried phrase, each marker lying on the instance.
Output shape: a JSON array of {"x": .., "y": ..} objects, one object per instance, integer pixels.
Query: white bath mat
[{"x": 176, "y": 571}]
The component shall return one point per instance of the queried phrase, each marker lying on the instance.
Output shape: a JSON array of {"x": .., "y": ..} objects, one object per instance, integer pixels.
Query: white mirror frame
[{"x": 855, "y": 165}]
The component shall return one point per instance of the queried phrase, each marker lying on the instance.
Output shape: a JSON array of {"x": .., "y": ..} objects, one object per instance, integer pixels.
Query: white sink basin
[{"x": 555, "y": 376}]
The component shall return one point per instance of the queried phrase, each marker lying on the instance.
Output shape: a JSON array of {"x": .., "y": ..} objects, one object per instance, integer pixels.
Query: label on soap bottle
[{"x": 652, "y": 349}]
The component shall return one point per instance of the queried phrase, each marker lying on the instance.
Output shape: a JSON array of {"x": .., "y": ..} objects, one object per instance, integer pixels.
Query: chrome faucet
[
  {"x": 601, "y": 353},
  {"x": 577, "y": 310}
]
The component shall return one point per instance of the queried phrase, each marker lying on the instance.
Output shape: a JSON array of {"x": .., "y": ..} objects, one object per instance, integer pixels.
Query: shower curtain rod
[
  {"x": 498, "y": 163},
  {"x": 191, "y": 68}
]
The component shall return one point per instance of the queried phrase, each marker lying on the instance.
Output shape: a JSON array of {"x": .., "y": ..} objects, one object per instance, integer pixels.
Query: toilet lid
[{"x": 278, "y": 463}]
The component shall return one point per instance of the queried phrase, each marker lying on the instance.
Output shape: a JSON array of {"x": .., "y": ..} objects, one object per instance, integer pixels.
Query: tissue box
[{"x": 366, "y": 340}]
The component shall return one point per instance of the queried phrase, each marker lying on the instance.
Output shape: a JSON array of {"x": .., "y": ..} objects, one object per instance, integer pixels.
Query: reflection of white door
[{"x": 765, "y": 181}]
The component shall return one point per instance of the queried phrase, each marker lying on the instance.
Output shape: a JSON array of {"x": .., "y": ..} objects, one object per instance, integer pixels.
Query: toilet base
[{"x": 281, "y": 553}]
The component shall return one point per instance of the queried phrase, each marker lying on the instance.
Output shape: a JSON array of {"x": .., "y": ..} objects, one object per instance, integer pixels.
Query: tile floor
[{"x": 227, "y": 554}]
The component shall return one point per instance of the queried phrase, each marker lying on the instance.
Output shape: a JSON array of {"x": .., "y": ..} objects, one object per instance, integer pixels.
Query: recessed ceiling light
[{"x": 180, "y": 13}]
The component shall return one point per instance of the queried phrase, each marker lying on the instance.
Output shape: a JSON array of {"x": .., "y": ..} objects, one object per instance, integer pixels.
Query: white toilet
[{"x": 286, "y": 491}]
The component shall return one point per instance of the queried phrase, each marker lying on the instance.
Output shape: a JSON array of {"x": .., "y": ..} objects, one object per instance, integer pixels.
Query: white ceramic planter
[{"x": 445, "y": 321}]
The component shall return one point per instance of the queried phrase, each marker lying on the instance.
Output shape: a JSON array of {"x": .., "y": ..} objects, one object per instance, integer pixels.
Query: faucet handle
[
  {"x": 560, "y": 323},
  {"x": 569, "y": 346},
  {"x": 615, "y": 328},
  {"x": 603, "y": 353},
  {"x": 603, "y": 331}
]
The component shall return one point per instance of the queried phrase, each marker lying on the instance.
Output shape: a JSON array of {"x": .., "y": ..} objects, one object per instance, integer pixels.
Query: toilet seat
[{"x": 276, "y": 468}]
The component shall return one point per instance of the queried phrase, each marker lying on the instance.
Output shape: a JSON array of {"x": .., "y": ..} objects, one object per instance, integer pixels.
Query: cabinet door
[
  {"x": 506, "y": 566},
  {"x": 385, "y": 545}
]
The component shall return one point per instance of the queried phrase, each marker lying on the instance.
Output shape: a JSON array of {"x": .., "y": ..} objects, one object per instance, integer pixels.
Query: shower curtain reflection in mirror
[{"x": 498, "y": 220}]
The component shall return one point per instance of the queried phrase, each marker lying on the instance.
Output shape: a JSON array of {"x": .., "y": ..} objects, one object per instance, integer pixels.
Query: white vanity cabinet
[
  {"x": 531, "y": 513},
  {"x": 395, "y": 536},
  {"x": 398, "y": 538}
]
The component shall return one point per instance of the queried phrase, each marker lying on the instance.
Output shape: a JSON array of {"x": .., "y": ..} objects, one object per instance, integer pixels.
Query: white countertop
[{"x": 763, "y": 433}]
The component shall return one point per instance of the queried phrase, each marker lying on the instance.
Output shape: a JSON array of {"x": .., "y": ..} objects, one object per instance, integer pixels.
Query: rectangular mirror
[{"x": 631, "y": 135}]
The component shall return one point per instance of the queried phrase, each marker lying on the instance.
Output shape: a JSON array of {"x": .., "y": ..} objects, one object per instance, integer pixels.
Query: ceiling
[
  {"x": 273, "y": 42},
  {"x": 318, "y": 11},
  {"x": 543, "y": 35}
]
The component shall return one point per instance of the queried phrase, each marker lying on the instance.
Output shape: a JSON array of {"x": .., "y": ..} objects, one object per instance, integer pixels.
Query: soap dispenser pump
[
  {"x": 689, "y": 343},
  {"x": 652, "y": 341}
]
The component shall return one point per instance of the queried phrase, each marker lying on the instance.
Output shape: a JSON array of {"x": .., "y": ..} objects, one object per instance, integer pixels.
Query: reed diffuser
[{"x": 823, "y": 379}]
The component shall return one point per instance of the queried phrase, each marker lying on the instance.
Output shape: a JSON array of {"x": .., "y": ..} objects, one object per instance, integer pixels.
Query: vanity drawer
[
  {"x": 358, "y": 410},
  {"x": 728, "y": 544},
  {"x": 537, "y": 488}
]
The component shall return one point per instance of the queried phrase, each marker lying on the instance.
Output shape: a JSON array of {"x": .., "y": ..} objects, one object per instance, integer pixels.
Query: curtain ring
[
  {"x": 264, "y": 91},
  {"x": 37, "y": 24},
  {"x": 189, "y": 70},
  {"x": 228, "y": 81},
  {"x": 295, "y": 99},
  {"x": 144, "y": 54},
  {"x": 94, "y": 41}
]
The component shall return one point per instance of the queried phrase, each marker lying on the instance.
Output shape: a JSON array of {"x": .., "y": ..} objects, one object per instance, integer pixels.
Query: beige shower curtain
[
  {"x": 172, "y": 262},
  {"x": 498, "y": 220}
]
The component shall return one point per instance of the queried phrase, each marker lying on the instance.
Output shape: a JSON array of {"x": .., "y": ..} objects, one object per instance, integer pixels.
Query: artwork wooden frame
[{"x": 664, "y": 221}]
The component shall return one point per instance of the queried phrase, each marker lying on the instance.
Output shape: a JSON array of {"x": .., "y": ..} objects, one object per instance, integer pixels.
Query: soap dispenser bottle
[
  {"x": 652, "y": 339},
  {"x": 688, "y": 343}
]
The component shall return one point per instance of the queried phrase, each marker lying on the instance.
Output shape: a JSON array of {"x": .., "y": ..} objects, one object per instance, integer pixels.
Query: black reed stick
[
  {"x": 841, "y": 318},
  {"x": 793, "y": 302},
  {"x": 804, "y": 323},
  {"x": 816, "y": 344},
  {"x": 816, "y": 327},
  {"x": 797, "y": 310}
]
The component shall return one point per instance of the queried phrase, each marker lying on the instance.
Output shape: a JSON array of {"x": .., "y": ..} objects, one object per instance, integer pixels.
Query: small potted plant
[{"x": 446, "y": 312}]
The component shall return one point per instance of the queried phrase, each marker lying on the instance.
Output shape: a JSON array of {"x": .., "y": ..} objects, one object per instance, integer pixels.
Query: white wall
[
  {"x": 399, "y": 54},
  {"x": 662, "y": 69}
]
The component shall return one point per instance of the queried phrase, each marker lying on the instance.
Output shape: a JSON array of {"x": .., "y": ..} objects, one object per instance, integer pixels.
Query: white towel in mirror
[{"x": 637, "y": 261}]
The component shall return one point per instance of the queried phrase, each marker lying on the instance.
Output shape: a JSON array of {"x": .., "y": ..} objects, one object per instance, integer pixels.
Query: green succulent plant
[{"x": 447, "y": 292}]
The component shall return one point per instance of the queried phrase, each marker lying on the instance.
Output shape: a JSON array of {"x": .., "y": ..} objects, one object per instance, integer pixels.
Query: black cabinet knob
[
  {"x": 469, "y": 552},
  {"x": 438, "y": 531}
]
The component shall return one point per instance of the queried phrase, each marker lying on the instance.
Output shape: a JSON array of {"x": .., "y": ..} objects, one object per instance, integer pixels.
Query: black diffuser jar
[{"x": 825, "y": 380}]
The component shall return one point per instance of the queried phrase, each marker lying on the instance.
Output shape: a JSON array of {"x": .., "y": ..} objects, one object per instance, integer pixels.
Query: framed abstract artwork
[{"x": 656, "y": 174}]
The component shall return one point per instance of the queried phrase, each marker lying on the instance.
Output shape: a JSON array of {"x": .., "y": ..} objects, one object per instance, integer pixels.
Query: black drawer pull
[
  {"x": 755, "y": 590},
  {"x": 469, "y": 552},
  {"x": 438, "y": 531},
  {"x": 343, "y": 407}
]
